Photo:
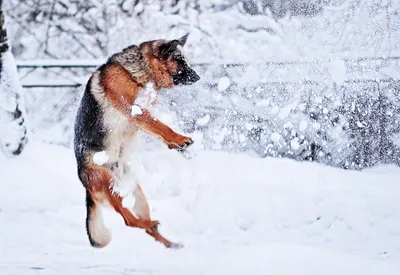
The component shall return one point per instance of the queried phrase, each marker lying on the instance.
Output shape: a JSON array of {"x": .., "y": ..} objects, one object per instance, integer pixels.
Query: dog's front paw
[{"x": 180, "y": 143}]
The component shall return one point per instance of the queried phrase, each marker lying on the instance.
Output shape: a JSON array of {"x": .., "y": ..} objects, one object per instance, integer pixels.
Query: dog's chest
[
  {"x": 120, "y": 131},
  {"x": 119, "y": 134}
]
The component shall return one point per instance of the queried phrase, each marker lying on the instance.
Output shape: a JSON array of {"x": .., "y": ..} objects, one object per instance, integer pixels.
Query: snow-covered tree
[{"x": 13, "y": 132}]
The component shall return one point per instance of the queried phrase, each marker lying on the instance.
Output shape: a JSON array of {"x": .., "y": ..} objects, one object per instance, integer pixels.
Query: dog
[{"x": 114, "y": 105}]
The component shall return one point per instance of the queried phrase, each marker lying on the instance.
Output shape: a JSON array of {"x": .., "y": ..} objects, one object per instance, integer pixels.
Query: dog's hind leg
[
  {"x": 141, "y": 208},
  {"x": 130, "y": 220},
  {"x": 99, "y": 190},
  {"x": 95, "y": 180}
]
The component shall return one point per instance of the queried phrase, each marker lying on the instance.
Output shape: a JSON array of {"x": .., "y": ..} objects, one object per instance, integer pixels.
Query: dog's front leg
[{"x": 147, "y": 122}]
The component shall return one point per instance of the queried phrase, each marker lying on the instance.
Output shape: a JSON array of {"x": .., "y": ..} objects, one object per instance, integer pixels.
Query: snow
[
  {"x": 294, "y": 144},
  {"x": 338, "y": 71},
  {"x": 248, "y": 126},
  {"x": 100, "y": 158},
  {"x": 203, "y": 120},
  {"x": 136, "y": 110},
  {"x": 343, "y": 29},
  {"x": 284, "y": 112},
  {"x": 303, "y": 125},
  {"x": 13, "y": 131},
  {"x": 60, "y": 63},
  {"x": 9, "y": 81},
  {"x": 276, "y": 137},
  {"x": 251, "y": 76},
  {"x": 263, "y": 103},
  {"x": 223, "y": 83},
  {"x": 396, "y": 139},
  {"x": 219, "y": 135},
  {"x": 274, "y": 110},
  {"x": 146, "y": 96},
  {"x": 234, "y": 213}
]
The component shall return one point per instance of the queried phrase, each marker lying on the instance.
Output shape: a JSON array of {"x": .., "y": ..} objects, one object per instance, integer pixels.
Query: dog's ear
[
  {"x": 167, "y": 48},
  {"x": 182, "y": 40}
]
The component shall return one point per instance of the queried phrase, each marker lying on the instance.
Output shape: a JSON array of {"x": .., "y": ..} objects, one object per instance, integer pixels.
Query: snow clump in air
[
  {"x": 223, "y": 83},
  {"x": 100, "y": 158},
  {"x": 136, "y": 110}
]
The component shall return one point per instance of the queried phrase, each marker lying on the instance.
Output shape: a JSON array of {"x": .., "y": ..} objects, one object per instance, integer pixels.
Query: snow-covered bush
[{"x": 345, "y": 123}]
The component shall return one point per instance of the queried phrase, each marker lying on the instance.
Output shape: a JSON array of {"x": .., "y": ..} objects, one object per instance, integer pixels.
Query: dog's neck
[
  {"x": 144, "y": 67},
  {"x": 158, "y": 72},
  {"x": 132, "y": 60}
]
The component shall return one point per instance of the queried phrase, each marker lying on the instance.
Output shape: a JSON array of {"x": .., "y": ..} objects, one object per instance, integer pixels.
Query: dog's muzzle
[{"x": 185, "y": 77}]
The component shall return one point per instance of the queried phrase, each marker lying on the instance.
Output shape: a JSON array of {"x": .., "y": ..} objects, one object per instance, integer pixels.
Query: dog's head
[{"x": 168, "y": 63}]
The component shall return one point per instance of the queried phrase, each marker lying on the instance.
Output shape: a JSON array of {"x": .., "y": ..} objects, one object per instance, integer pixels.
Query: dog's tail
[{"x": 99, "y": 235}]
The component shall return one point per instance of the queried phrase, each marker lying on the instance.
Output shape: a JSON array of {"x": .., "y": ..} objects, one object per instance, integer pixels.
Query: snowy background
[
  {"x": 308, "y": 80},
  {"x": 284, "y": 82}
]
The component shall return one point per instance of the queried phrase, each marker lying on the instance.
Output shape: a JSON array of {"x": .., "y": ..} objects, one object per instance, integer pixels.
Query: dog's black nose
[{"x": 193, "y": 76}]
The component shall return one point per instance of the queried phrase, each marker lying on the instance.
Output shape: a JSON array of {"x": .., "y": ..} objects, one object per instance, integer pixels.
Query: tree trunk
[{"x": 13, "y": 132}]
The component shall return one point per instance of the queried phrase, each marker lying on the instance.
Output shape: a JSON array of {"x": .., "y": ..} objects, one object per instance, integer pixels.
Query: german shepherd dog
[{"x": 114, "y": 106}]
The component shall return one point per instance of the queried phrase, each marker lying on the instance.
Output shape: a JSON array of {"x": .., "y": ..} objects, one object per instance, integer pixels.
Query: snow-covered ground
[{"x": 234, "y": 213}]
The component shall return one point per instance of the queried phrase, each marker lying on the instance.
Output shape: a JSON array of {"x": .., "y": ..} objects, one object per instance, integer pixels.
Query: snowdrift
[{"x": 234, "y": 213}]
